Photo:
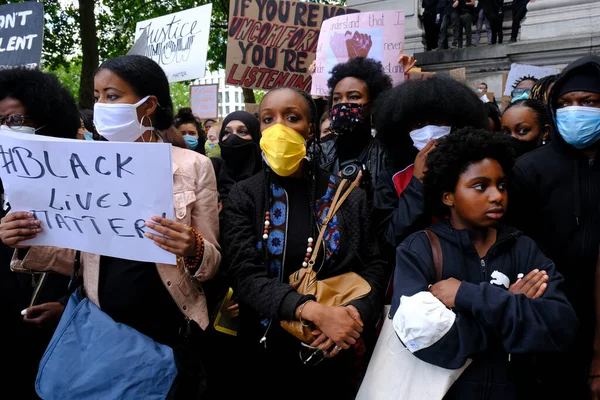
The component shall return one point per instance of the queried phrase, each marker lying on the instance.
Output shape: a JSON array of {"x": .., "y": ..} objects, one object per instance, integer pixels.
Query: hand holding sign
[
  {"x": 358, "y": 45},
  {"x": 177, "y": 238},
  {"x": 407, "y": 62},
  {"x": 18, "y": 226}
]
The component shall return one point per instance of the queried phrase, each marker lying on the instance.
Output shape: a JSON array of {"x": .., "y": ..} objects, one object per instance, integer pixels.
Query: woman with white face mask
[
  {"x": 409, "y": 119},
  {"x": 163, "y": 302}
]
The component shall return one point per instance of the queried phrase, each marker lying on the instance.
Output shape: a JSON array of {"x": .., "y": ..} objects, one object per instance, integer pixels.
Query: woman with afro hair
[
  {"x": 354, "y": 86},
  {"x": 31, "y": 101},
  {"x": 409, "y": 118},
  {"x": 30, "y": 98},
  {"x": 497, "y": 291}
]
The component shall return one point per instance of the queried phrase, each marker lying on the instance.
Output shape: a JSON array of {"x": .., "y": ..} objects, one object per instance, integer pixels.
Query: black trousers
[
  {"x": 519, "y": 12},
  {"x": 495, "y": 21},
  {"x": 432, "y": 31}
]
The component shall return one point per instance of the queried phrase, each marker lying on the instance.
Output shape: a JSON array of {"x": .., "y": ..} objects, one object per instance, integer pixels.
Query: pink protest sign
[
  {"x": 204, "y": 101},
  {"x": 378, "y": 35}
]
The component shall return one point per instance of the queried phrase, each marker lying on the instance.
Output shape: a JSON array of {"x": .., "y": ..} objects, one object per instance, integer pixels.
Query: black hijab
[{"x": 242, "y": 157}]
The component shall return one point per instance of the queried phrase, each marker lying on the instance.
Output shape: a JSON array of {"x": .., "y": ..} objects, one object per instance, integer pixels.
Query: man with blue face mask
[{"x": 556, "y": 201}]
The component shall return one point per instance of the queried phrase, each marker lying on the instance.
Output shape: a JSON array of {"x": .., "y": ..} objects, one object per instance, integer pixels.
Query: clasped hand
[{"x": 336, "y": 326}]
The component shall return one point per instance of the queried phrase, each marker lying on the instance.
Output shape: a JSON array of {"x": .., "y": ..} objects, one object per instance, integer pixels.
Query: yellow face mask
[{"x": 284, "y": 149}]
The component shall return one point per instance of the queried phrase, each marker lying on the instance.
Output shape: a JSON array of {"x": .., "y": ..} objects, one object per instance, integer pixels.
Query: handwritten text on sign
[
  {"x": 271, "y": 43},
  {"x": 378, "y": 35},
  {"x": 178, "y": 42},
  {"x": 90, "y": 196},
  {"x": 204, "y": 100},
  {"x": 21, "y": 34}
]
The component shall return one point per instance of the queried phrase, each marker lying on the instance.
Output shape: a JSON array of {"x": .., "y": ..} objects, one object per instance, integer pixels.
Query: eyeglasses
[
  {"x": 13, "y": 120},
  {"x": 519, "y": 92},
  {"x": 310, "y": 355}
]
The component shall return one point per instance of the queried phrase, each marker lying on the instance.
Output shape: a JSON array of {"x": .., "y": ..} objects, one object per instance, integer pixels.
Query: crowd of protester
[
  {"x": 439, "y": 15},
  {"x": 253, "y": 194}
]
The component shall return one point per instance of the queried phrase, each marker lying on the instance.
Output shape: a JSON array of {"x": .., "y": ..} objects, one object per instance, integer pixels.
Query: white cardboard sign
[
  {"x": 90, "y": 196},
  {"x": 178, "y": 42},
  {"x": 518, "y": 71}
]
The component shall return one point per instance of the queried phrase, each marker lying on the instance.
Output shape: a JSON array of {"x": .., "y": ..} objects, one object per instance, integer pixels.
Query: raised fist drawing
[
  {"x": 337, "y": 42},
  {"x": 358, "y": 45}
]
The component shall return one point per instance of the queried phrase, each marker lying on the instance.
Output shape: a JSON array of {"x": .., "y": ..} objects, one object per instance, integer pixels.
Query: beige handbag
[{"x": 335, "y": 291}]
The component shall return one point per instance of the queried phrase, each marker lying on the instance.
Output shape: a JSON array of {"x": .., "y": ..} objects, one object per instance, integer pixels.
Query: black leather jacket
[{"x": 374, "y": 157}]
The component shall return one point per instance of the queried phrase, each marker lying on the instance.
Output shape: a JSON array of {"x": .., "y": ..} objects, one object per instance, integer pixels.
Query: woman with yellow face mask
[{"x": 271, "y": 222}]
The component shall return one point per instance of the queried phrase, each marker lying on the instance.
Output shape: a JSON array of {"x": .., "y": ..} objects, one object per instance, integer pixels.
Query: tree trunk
[
  {"x": 89, "y": 49},
  {"x": 249, "y": 96}
]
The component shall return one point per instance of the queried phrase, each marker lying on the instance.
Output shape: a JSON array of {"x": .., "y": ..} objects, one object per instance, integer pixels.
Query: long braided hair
[
  {"x": 313, "y": 160},
  {"x": 541, "y": 88}
]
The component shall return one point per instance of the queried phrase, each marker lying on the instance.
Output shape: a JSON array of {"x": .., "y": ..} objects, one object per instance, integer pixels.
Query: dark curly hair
[
  {"x": 47, "y": 102},
  {"x": 365, "y": 69},
  {"x": 414, "y": 103},
  {"x": 454, "y": 154},
  {"x": 147, "y": 78}
]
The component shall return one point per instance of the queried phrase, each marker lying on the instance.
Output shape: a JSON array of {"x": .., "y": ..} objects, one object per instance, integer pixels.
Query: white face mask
[
  {"x": 119, "y": 122},
  {"x": 421, "y": 137},
  {"x": 23, "y": 129},
  {"x": 421, "y": 320}
]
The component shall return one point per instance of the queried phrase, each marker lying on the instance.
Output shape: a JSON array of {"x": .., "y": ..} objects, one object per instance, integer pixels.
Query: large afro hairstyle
[
  {"x": 47, "y": 102},
  {"x": 454, "y": 154},
  {"x": 414, "y": 103},
  {"x": 365, "y": 69}
]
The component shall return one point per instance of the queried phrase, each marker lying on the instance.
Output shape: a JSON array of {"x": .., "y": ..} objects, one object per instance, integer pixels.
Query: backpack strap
[{"x": 438, "y": 256}]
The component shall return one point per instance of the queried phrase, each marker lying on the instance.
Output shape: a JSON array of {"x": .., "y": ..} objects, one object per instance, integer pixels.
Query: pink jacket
[{"x": 196, "y": 204}]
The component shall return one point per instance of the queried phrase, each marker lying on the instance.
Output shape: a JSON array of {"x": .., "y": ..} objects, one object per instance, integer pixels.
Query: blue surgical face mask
[
  {"x": 191, "y": 141},
  {"x": 520, "y": 94},
  {"x": 88, "y": 135},
  {"x": 579, "y": 126},
  {"x": 480, "y": 90}
]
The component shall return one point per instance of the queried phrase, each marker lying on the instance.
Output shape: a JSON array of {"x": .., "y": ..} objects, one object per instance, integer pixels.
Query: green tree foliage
[{"x": 115, "y": 24}]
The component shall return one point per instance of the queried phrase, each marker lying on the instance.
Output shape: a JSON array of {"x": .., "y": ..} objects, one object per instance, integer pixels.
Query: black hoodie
[
  {"x": 555, "y": 199},
  {"x": 491, "y": 322}
]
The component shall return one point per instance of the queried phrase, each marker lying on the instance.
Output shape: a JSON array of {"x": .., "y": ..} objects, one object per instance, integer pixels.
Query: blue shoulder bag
[{"x": 92, "y": 356}]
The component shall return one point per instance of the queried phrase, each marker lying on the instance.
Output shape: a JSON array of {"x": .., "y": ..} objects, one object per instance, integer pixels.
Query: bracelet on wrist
[
  {"x": 300, "y": 313},
  {"x": 193, "y": 262}
]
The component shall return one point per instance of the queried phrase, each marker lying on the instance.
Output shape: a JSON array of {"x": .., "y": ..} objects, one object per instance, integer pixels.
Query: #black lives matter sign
[
  {"x": 21, "y": 34},
  {"x": 90, "y": 196}
]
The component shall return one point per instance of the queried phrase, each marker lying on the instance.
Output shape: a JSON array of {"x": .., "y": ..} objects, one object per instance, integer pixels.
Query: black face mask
[
  {"x": 521, "y": 147},
  {"x": 348, "y": 120},
  {"x": 242, "y": 157}
]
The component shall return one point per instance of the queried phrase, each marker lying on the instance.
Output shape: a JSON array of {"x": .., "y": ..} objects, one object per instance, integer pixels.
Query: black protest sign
[{"x": 21, "y": 34}]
